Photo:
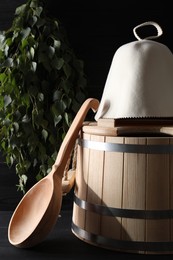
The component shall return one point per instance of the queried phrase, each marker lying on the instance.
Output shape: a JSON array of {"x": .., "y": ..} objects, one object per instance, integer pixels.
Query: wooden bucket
[{"x": 123, "y": 196}]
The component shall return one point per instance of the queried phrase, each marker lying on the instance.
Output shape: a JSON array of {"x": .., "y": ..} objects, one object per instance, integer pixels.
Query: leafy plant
[{"x": 42, "y": 85}]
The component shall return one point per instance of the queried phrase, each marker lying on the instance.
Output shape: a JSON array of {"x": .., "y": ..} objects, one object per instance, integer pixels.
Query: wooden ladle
[{"x": 38, "y": 210}]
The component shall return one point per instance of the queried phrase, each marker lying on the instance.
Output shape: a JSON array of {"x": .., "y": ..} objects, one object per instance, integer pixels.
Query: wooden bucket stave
[{"x": 123, "y": 193}]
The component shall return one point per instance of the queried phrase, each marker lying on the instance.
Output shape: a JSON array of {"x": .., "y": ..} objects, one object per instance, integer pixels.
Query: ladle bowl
[{"x": 38, "y": 210}]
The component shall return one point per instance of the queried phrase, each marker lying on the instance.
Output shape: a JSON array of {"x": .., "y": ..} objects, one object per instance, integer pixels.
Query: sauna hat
[{"x": 140, "y": 80}]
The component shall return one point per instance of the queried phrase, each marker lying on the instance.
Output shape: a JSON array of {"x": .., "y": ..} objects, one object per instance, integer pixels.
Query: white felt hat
[{"x": 140, "y": 80}]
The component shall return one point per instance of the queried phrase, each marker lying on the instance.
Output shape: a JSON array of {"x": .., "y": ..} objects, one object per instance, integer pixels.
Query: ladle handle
[{"x": 72, "y": 134}]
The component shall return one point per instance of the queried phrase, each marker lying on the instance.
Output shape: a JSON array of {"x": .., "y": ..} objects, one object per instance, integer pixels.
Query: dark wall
[
  {"x": 97, "y": 28},
  {"x": 7, "y": 9}
]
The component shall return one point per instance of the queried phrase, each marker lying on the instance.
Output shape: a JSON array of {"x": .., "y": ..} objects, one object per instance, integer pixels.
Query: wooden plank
[
  {"x": 81, "y": 186},
  {"x": 112, "y": 189},
  {"x": 94, "y": 185},
  {"x": 134, "y": 191},
  {"x": 157, "y": 192},
  {"x": 138, "y": 131}
]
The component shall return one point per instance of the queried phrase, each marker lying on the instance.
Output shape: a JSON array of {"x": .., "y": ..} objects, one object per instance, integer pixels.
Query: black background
[{"x": 96, "y": 29}]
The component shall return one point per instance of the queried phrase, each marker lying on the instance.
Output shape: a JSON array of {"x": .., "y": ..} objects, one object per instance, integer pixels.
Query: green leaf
[
  {"x": 9, "y": 41},
  {"x": 25, "y": 100},
  {"x": 56, "y": 44},
  {"x": 67, "y": 118},
  {"x": 67, "y": 70},
  {"x": 6, "y": 122},
  {"x": 57, "y": 63},
  {"x": 25, "y": 32},
  {"x": 44, "y": 134},
  {"x": 33, "y": 20},
  {"x": 32, "y": 52},
  {"x": 51, "y": 52},
  {"x": 40, "y": 23},
  {"x": 7, "y": 63},
  {"x": 2, "y": 40},
  {"x": 24, "y": 43},
  {"x": 38, "y": 11},
  {"x": 57, "y": 119},
  {"x": 57, "y": 95},
  {"x": 16, "y": 126},
  {"x": 57, "y": 108},
  {"x": 7, "y": 100},
  {"x": 6, "y": 49},
  {"x": 40, "y": 97},
  {"x": 2, "y": 77},
  {"x": 33, "y": 66},
  {"x": 20, "y": 9}
]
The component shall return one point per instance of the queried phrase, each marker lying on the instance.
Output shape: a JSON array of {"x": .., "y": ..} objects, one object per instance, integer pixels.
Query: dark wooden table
[{"x": 61, "y": 243}]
